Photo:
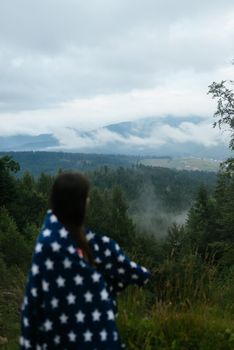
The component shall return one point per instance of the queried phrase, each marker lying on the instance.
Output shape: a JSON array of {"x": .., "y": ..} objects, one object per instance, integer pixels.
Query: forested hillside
[
  {"x": 51, "y": 162},
  {"x": 188, "y": 303}
]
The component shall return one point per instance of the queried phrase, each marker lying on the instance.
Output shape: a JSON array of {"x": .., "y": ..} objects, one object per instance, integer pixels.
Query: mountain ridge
[{"x": 147, "y": 136}]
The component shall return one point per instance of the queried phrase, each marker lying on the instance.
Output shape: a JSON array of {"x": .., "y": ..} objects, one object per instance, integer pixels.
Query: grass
[
  {"x": 167, "y": 327},
  {"x": 147, "y": 324}
]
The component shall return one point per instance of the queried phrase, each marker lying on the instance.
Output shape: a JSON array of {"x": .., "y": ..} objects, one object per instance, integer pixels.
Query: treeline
[
  {"x": 192, "y": 265},
  {"x": 50, "y": 162}
]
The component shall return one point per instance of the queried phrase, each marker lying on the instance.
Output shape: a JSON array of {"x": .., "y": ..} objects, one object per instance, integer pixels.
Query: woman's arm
[{"x": 118, "y": 269}]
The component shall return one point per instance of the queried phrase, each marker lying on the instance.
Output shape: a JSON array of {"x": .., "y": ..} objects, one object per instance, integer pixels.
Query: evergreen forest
[{"x": 179, "y": 224}]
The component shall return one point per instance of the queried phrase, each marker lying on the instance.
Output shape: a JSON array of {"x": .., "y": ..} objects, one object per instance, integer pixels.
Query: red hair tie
[{"x": 80, "y": 252}]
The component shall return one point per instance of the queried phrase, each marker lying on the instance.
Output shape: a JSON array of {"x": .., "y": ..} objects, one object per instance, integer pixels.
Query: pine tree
[
  {"x": 201, "y": 222},
  {"x": 7, "y": 182},
  {"x": 122, "y": 226}
]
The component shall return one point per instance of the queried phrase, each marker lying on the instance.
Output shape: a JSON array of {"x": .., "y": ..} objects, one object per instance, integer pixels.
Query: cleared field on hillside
[{"x": 183, "y": 163}]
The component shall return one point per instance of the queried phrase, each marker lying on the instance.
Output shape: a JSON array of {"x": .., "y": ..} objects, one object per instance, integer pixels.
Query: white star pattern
[
  {"x": 57, "y": 339},
  {"x": 96, "y": 247},
  {"x": 47, "y": 325},
  {"x": 45, "y": 286},
  {"x": 133, "y": 264},
  {"x": 25, "y": 320},
  {"x": 63, "y": 233},
  {"x": 88, "y": 336},
  {"x": 98, "y": 260},
  {"x": 104, "y": 294},
  {"x": 27, "y": 344},
  {"x": 80, "y": 316},
  {"x": 90, "y": 236},
  {"x": 49, "y": 264},
  {"x": 53, "y": 219},
  {"x": 71, "y": 249},
  {"x": 21, "y": 340},
  {"x": 71, "y": 298},
  {"x": 78, "y": 280},
  {"x": 103, "y": 335},
  {"x": 82, "y": 263},
  {"x": 35, "y": 269},
  {"x": 96, "y": 315},
  {"x": 67, "y": 263},
  {"x": 66, "y": 281},
  {"x": 60, "y": 281},
  {"x": 34, "y": 292},
  {"x": 38, "y": 248},
  {"x": 96, "y": 277},
  {"x": 121, "y": 271},
  {"x": 63, "y": 318},
  {"x": 110, "y": 315},
  {"x": 121, "y": 258},
  {"x": 117, "y": 247},
  {"x": 24, "y": 303},
  {"x": 72, "y": 336},
  {"x": 107, "y": 252},
  {"x": 46, "y": 232},
  {"x": 55, "y": 246},
  {"x": 54, "y": 303},
  {"x": 108, "y": 266},
  {"x": 88, "y": 297}
]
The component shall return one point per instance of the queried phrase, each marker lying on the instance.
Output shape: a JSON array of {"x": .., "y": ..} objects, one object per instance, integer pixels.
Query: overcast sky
[{"x": 85, "y": 64}]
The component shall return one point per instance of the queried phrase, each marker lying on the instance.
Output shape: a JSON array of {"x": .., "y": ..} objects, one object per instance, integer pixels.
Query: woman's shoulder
[
  {"x": 97, "y": 237},
  {"x": 102, "y": 242}
]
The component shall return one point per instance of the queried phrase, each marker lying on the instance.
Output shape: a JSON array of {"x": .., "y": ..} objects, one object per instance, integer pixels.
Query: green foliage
[
  {"x": 200, "y": 224},
  {"x": 13, "y": 248},
  {"x": 165, "y": 327},
  {"x": 192, "y": 267},
  {"x": 223, "y": 91},
  {"x": 7, "y": 182},
  {"x": 44, "y": 184},
  {"x": 7, "y": 163},
  {"x": 108, "y": 213},
  {"x": 173, "y": 190},
  {"x": 225, "y": 106}
]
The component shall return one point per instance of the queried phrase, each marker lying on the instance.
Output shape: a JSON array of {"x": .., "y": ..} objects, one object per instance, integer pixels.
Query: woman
[{"x": 70, "y": 296}]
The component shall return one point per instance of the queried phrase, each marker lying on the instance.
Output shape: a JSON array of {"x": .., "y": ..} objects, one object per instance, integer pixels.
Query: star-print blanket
[{"x": 69, "y": 304}]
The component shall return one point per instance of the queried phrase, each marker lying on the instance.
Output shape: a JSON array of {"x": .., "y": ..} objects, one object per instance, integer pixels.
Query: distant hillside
[
  {"x": 183, "y": 163},
  {"x": 27, "y": 142},
  {"x": 51, "y": 162},
  {"x": 169, "y": 135}
]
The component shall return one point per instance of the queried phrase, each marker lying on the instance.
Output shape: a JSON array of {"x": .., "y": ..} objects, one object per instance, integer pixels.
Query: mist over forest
[
  {"x": 139, "y": 97},
  {"x": 178, "y": 223},
  {"x": 169, "y": 220}
]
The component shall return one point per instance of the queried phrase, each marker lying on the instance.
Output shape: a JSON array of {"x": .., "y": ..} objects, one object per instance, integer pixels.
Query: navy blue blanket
[{"x": 69, "y": 304}]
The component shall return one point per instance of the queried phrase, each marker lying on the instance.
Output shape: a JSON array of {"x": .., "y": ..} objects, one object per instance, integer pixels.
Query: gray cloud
[
  {"x": 160, "y": 134},
  {"x": 71, "y": 65},
  {"x": 56, "y": 51}
]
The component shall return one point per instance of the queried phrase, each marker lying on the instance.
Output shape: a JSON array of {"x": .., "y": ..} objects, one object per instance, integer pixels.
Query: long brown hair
[{"x": 68, "y": 200}]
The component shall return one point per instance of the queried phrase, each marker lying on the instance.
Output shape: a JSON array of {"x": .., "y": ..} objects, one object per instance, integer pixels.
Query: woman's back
[{"x": 68, "y": 303}]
